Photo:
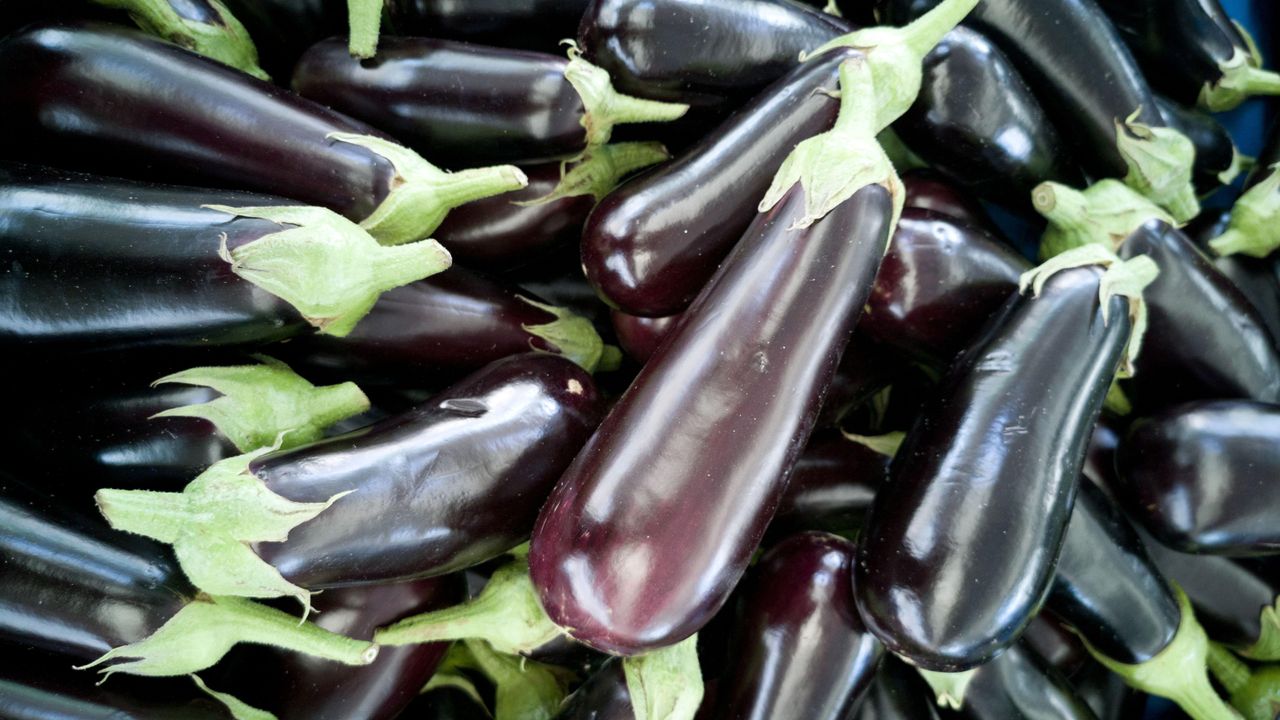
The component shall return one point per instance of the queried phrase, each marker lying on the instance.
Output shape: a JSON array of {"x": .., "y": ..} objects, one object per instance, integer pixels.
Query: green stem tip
[
  {"x": 224, "y": 40},
  {"x": 523, "y": 688},
  {"x": 1161, "y": 162},
  {"x": 604, "y": 107},
  {"x": 364, "y": 21},
  {"x": 1259, "y": 697},
  {"x": 1254, "y": 219},
  {"x": 665, "y": 684},
  {"x": 886, "y": 444},
  {"x": 204, "y": 630},
  {"x": 1104, "y": 213},
  {"x": 1267, "y": 645},
  {"x": 263, "y": 403},
  {"x": 599, "y": 170},
  {"x": 570, "y": 335},
  {"x": 948, "y": 687},
  {"x": 239, "y": 709},
  {"x": 1241, "y": 78}
]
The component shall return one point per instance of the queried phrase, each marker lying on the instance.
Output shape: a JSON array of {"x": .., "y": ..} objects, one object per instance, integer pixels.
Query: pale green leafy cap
[
  {"x": 225, "y": 41},
  {"x": 665, "y": 684}
]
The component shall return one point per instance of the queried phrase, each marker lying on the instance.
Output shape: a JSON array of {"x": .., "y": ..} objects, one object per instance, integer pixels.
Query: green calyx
[
  {"x": 570, "y": 335},
  {"x": 1123, "y": 278},
  {"x": 1267, "y": 646},
  {"x": 832, "y": 9},
  {"x": 1259, "y": 697},
  {"x": 665, "y": 684},
  {"x": 1254, "y": 219},
  {"x": 261, "y": 403},
  {"x": 524, "y": 689},
  {"x": 1242, "y": 78},
  {"x": 238, "y": 709},
  {"x": 225, "y": 40},
  {"x": 422, "y": 194},
  {"x": 886, "y": 444},
  {"x": 1105, "y": 213},
  {"x": 212, "y": 523},
  {"x": 604, "y": 107},
  {"x": 948, "y": 688},
  {"x": 507, "y": 614},
  {"x": 199, "y": 635},
  {"x": 325, "y": 266},
  {"x": 1160, "y": 161},
  {"x": 830, "y": 167},
  {"x": 599, "y": 170},
  {"x": 1239, "y": 164},
  {"x": 364, "y": 21},
  {"x": 896, "y": 55},
  {"x": 1178, "y": 672}
]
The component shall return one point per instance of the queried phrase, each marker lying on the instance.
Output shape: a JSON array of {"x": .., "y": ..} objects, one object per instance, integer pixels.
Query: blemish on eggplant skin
[{"x": 575, "y": 387}]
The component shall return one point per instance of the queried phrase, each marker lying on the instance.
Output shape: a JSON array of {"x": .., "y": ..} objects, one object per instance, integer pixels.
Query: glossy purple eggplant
[
  {"x": 1257, "y": 278},
  {"x": 528, "y": 24},
  {"x": 1206, "y": 340},
  {"x": 110, "y": 99},
  {"x": 1020, "y": 685},
  {"x": 426, "y": 333},
  {"x": 284, "y": 29},
  {"x": 802, "y": 651},
  {"x": 1107, "y": 694},
  {"x": 1107, "y": 588},
  {"x": 742, "y": 46},
  {"x": 604, "y": 696},
  {"x": 700, "y": 473},
  {"x": 1199, "y": 477},
  {"x": 298, "y": 687},
  {"x": 496, "y": 234},
  {"x": 957, "y": 559},
  {"x": 938, "y": 285},
  {"x": 928, "y": 190},
  {"x": 1217, "y": 160},
  {"x": 1056, "y": 643},
  {"x": 832, "y": 485},
  {"x": 640, "y": 336},
  {"x": 861, "y": 374},
  {"x": 651, "y": 245},
  {"x": 459, "y": 104},
  {"x": 977, "y": 121},
  {"x": 898, "y": 693}
]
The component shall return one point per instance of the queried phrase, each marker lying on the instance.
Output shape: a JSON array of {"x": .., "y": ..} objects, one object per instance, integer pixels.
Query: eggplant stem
[
  {"x": 599, "y": 170},
  {"x": 665, "y": 684},
  {"x": 239, "y": 709},
  {"x": 226, "y": 40},
  {"x": 1231, "y": 672},
  {"x": 1241, "y": 79},
  {"x": 1254, "y": 219},
  {"x": 570, "y": 334},
  {"x": 604, "y": 107},
  {"x": 523, "y": 688},
  {"x": 1104, "y": 213},
  {"x": 1161, "y": 163},
  {"x": 364, "y": 21}
]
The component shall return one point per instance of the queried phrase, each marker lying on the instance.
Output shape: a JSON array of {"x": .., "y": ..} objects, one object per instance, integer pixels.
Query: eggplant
[
  {"x": 940, "y": 282},
  {"x": 305, "y": 688},
  {"x": 104, "y": 98},
  {"x": 100, "y": 266},
  {"x": 206, "y": 27},
  {"x": 491, "y": 445},
  {"x": 1217, "y": 161},
  {"x": 284, "y": 29},
  {"x": 641, "y": 336},
  {"x": 604, "y": 696},
  {"x": 977, "y": 121},
  {"x": 466, "y": 105},
  {"x": 954, "y": 562},
  {"x": 70, "y": 586},
  {"x": 650, "y": 246},
  {"x": 1257, "y": 278},
  {"x": 1091, "y": 87},
  {"x": 926, "y": 189},
  {"x": 802, "y": 651},
  {"x": 1055, "y": 643},
  {"x": 1251, "y": 229},
  {"x": 1207, "y": 341},
  {"x": 898, "y": 693},
  {"x": 1107, "y": 694},
  {"x": 525, "y": 24},
  {"x": 742, "y": 46},
  {"x": 1198, "y": 476},
  {"x": 1020, "y": 685},
  {"x": 441, "y": 328},
  {"x": 1193, "y": 51},
  {"x": 832, "y": 485}
]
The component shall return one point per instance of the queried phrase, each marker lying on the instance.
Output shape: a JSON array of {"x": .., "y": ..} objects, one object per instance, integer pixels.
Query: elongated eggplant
[
  {"x": 450, "y": 484},
  {"x": 1193, "y": 51},
  {"x": 296, "y": 687},
  {"x": 604, "y": 696},
  {"x": 977, "y": 121},
  {"x": 956, "y": 560},
  {"x": 898, "y": 693},
  {"x": 1257, "y": 278},
  {"x": 743, "y": 46},
  {"x": 832, "y": 485},
  {"x": 928, "y": 190},
  {"x": 1207, "y": 341},
  {"x": 68, "y": 585},
  {"x": 938, "y": 285},
  {"x": 526, "y": 24},
  {"x": 802, "y": 651},
  {"x": 466, "y": 105},
  {"x": 1199, "y": 476},
  {"x": 1056, "y": 643},
  {"x": 74, "y": 95},
  {"x": 1019, "y": 685},
  {"x": 641, "y": 336},
  {"x": 423, "y": 334},
  {"x": 99, "y": 266},
  {"x": 650, "y": 246},
  {"x": 1217, "y": 162}
]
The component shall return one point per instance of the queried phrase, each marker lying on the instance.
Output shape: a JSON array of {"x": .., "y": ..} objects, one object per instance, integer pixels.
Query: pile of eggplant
[{"x": 637, "y": 360}]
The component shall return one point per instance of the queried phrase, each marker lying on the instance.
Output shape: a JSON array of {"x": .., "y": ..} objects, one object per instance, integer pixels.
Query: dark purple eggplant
[
  {"x": 604, "y": 696},
  {"x": 802, "y": 651},
  {"x": 1257, "y": 278},
  {"x": 1199, "y": 476},
  {"x": 938, "y": 285},
  {"x": 928, "y": 190},
  {"x": 1206, "y": 339},
  {"x": 956, "y": 560},
  {"x": 1107, "y": 694},
  {"x": 1193, "y": 51},
  {"x": 898, "y": 693},
  {"x": 296, "y": 687},
  {"x": 641, "y": 336},
  {"x": 283, "y": 29},
  {"x": 832, "y": 485},
  {"x": 709, "y": 466},
  {"x": 445, "y": 486},
  {"x": 112, "y": 99},
  {"x": 1053, "y": 641},
  {"x": 70, "y": 586},
  {"x": 650, "y": 246},
  {"x": 526, "y": 24},
  {"x": 1218, "y": 162},
  {"x": 977, "y": 122},
  {"x": 98, "y": 266},
  {"x": 425, "y": 333},
  {"x": 1020, "y": 685},
  {"x": 742, "y": 46}
]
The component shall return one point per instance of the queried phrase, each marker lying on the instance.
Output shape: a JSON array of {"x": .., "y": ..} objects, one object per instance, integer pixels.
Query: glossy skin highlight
[
  {"x": 832, "y": 485},
  {"x": 1019, "y": 684}
]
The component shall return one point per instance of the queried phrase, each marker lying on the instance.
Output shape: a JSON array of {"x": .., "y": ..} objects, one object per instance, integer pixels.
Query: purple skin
[
  {"x": 604, "y": 696},
  {"x": 651, "y": 527},
  {"x": 459, "y": 104},
  {"x": 294, "y": 686},
  {"x": 1055, "y": 642},
  {"x": 1205, "y": 340},
  {"x": 528, "y": 24},
  {"x": 802, "y": 651},
  {"x": 1200, "y": 477},
  {"x": 111, "y": 99},
  {"x": 1257, "y": 278},
  {"x": 651, "y": 245},
  {"x": 742, "y": 45},
  {"x": 927, "y": 190},
  {"x": 898, "y": 693},
  {"x": 496, "y": 234},
  {"x": 832, "y": 485},
  {"x": 1020, "y": 684},
  {"x": 939, "y": 284},
  {"x": 641, "y": 336},
  {"x": 470, "y": 469},
  {"x": 425, "y": 333}
]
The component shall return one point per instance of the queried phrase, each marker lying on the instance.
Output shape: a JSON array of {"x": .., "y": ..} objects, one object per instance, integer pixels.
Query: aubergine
[
  {"x": 1257, "y": 278},
  {"x": 832, "y": 487}
]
